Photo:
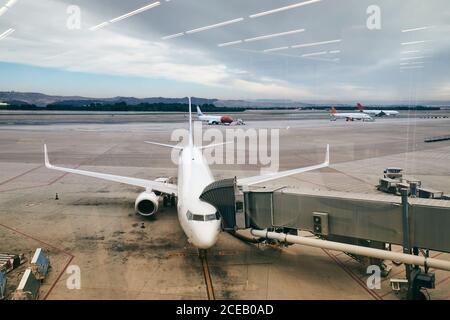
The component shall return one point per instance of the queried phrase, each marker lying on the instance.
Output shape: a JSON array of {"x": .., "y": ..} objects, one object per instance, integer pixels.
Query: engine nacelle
[{"x": 147, "y": 204}]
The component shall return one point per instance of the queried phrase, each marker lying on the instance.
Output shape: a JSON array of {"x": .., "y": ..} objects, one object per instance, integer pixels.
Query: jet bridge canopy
[{"x": 221, "y": 194}]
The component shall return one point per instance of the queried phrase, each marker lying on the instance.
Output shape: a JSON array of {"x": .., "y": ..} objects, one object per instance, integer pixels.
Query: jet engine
[{"x": 147, "y": 204}]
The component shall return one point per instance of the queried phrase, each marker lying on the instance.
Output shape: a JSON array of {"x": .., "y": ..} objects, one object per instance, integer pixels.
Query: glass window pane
[{"x": 198, "y": 217}]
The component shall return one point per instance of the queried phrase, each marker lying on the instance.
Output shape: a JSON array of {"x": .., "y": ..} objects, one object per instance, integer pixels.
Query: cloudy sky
[{"x": 279, "y": 54}]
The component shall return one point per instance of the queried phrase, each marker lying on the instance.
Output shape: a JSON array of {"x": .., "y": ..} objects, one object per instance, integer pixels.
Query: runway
[{"x": 125, "y": 256}]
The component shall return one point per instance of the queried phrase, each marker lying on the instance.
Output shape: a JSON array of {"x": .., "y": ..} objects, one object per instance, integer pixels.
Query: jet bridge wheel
[
  {"x": 247, "y": 239},
  {"x": 169, "y": 201},
  {"x": 289, "y": 231},
  {"x": 420, "y": 295}
]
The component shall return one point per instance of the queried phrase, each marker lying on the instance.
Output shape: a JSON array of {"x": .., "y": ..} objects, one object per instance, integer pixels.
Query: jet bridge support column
[
  {"x": 405, "y": 222},
  {"x": 417, "y": 279}
]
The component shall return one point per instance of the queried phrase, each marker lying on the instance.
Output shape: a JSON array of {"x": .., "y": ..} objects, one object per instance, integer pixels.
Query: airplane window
[
  {"x": 198, "y": 217},
  {"x": 211, "y": 217}
]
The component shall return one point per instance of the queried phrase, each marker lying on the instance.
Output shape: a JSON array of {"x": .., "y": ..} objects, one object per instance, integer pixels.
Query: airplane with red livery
[
  {"x": 349, "y": 116},
  {"x": 214, "y": 120},
  {"x": 377, "y": 113}
]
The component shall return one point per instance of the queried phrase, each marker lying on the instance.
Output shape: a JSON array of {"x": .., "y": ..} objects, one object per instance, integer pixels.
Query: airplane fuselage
[
  {"x": 380, "y": 113},
  {"x": 199, "y": 220},
  {"x": 377, "y": 113},
  {"x": 216, "y": 119},
  {"x": 352, "y": 116}
]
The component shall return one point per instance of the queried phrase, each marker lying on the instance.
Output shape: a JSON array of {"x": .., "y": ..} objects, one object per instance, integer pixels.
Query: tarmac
[{"x": 122, "y": 255}]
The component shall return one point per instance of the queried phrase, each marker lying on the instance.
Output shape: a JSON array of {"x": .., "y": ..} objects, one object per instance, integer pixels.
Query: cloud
[
  {"x": 108, "y": 52},
  {"x": 368, "y": 66},
  {"x": 442, "y": 92},
  {"x": 269, "y": 89}
]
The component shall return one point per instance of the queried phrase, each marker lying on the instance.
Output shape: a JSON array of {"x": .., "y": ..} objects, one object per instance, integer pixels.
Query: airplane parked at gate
[
  {"x": 200, "y": 221},
  {"x": 226, "y": 120},
  {"x": 377, "y": 113},
  {"x": 349, "y": 116}
]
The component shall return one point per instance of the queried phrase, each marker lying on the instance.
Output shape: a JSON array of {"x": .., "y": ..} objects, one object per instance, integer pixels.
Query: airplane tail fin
[
  {"x": 46, "y": 161},
  {"x": 360, "y": 107},
  {"x": 191, "y": 137},
  {"x": 199, "y": 111},
  {"x": 333, "y": 111}
]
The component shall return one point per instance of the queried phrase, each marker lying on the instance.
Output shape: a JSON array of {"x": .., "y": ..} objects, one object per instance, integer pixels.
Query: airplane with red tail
[
  {"x": 214, "y": 120},
  {"x": 349, "y": 116}
]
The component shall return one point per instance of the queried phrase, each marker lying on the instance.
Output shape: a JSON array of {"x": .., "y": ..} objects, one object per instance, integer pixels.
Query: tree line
[
  {"x": 177, "y": 107},
  {"x": 121, "y": 107}
]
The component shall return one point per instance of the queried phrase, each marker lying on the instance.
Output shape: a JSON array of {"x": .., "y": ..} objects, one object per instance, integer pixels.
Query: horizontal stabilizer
[
  {"x": 164, "y": 145},
  {"x": 215, "y": 145}
]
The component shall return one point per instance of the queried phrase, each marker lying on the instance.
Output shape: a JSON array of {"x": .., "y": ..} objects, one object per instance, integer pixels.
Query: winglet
[
  {"x": 327, "y": 156},
  {"x": 47, "y": 162}
]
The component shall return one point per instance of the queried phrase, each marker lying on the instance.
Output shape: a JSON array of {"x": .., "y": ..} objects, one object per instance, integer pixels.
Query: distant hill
[
  {"x": 43, "y": 100},
  {"x": 37, "y": 99}
]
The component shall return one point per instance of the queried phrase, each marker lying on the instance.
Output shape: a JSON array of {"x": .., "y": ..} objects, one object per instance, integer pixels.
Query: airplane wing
[
  {"x": 277, "y": 175},
  {"x": 148, "y": 184}
]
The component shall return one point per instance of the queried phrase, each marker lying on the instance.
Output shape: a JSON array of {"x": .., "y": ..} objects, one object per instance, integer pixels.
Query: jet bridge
[
  {"x": 359, "y": 224},
  {"x": 333, "y": 214}
]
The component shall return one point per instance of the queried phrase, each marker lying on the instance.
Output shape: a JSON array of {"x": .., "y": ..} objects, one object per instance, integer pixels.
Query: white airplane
[
  {"x": 377, "y": 113},
  {"x": 200, "y": 221},
  {"x": 214, "y": 119},
  {"x": 349, "y": 116}
]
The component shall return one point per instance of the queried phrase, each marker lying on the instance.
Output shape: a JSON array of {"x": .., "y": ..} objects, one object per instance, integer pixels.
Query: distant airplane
[
  {"x": 214, "y": 120},
  {"x": 200, "y": 221},
  {"x": 349, "y": 116},
  {"x": 377, "y": 113}
]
